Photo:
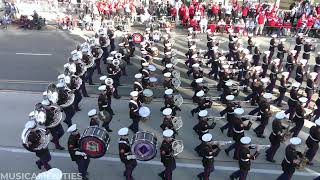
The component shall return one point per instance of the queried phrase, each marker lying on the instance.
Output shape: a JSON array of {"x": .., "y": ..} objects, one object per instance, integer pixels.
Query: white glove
[
  {"x": 80, "y": 153},
  {"x": 129, "y": 157}
]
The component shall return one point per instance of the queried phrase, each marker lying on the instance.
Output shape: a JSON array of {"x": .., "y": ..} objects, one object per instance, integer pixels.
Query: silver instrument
[
  {"x": 75, "y": 82},
  {"x": 222, "y": 143},
  {"x": 82, "y": 67},
  {"x": 213, "y": 98},
  {"x": 52, "y": 93},
  {"x": 118, "y": 56},
  {"x": 178, "y": 100},
  {"x": 69, "y": 97},
  {"x": 261, "y": 146},
  {"x": 175, "y": 74},
  {"x": 176, "y": 82},
  {"x": 251, "y": 117},
  {"x": 43, "y": 141},
  {"x": 177, "y": 123},
  {"x": 174, "y": 61},
  {"x": 177, "y": 146},
  {"x": 42, "y": 119}
]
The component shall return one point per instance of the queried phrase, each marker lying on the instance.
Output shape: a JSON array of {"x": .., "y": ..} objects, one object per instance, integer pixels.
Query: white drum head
[
  {"x": 153, "y": 79},
  {"x": 144, "y": 112},
  {"x": 152, "y": 67},
  {"x": 147, "y": 92}
]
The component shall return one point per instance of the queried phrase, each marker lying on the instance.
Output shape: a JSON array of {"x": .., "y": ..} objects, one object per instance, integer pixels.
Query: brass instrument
[
  {"x": 177, "y": 146},
  {"x": 213, "y": 98},
  {"x": 52, "y": 93},
  {"x": 251, "y": 117},
  {"x": 302, "y": 161},
  {"x": 262, "y": 147},
  {"x": 105, "y": 116},
  {"x": 174, "y": 61},
  {"x": 221, "y": 143},
  {"x": 43, "y": 141},
  {"x": 286, "y": 134}
]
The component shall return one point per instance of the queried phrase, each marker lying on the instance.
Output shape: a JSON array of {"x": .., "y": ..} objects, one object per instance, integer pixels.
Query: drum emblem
[
  {"x": 93, "y": 146},
  {"x": 137, "y": 38}
]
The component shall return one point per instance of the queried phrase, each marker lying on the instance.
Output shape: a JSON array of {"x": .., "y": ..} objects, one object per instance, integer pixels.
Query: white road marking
[
  {"x": 309, "y": 173},
  {"x": 34, "y": 54}
]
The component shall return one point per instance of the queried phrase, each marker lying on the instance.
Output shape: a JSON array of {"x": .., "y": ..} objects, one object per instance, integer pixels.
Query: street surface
[{"x": 30, "y": 60}]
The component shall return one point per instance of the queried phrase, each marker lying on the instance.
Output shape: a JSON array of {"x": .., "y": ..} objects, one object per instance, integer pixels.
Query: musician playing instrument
[
  {"x": 265, "y": 114},
  {"x": 265, "y": 64},
  {"x": 276, "y": 136},
  {"x": 168, "y": 68},
  {"x": 169, "y": 102},
  {"x": 167, "y": 120},
  {"x": 256, "y": 55},
  {"x": 93, "y": 118},
  {"x": 32, "y": 142},
  {"x": 272, "y": 45},
  {"x": 167, "y": 81},
  {"x": 203, "y": 126},
  {"x": 208, "y": 152},
  {"x": 137, "y": 86},
  {"x": 281, "y": 50},
  {"x": 75, "y": 153},
  {"x": 134, "y": 106},
  {"x": 250, "y": 43},
  {"x": 299, "y": 44},
  {"x": 293, "y": 99},
  {"x": 300, "y": 71},
  {"x": 312, "y": 142},
  {"x": 245, "y": 158},
  {"x": 257, "y": 90},
  {"x": 299, "y": 117},
  {"x": 308, "y": 47},
  {"x": 125, "y": 154},
  {"x": 230, "y": 106},
  {"x": 104, "y": 104},
  {"x": 73, "y": 84},
  {"x": 291, "y": 159},
  {"x": 114, "y": 73},
  {"x": 317, "y": 65},
  {"x": 203, "y": 103},
  {"x": 290, "y": 62},
  {"x": 199, "y": 86},
  {"x": 238, "y": 132},
  {"x": 214, "y": 61},
  {"x": 273, "y": 74},
  {"x": 282, "y": 89},
  {"x": 167, "y": 157},
  {"x": 62, "y": 98},
  {"x": 80, "y": 72},
  {"x": 104, "y": 43},
  {"x": 310, "y": 86}
]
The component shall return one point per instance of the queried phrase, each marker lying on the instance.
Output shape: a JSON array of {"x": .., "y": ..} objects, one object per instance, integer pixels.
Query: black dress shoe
[
  {"x": 109, "y": 130},
  {"x": 199, "y": 176},
  {"x": 86, "y": 96},
  {"x": 272, "y": 160},
  {"x": 117, "y": 97},
  {"x": 161, "y": 175},
  {"x": 60, "y": 148},
  {"x": 221, "y": 130},
  {"x": 38, "y": 165},
  {"x": 261, "y": 136},
  {"x": 227, "y": 152}
]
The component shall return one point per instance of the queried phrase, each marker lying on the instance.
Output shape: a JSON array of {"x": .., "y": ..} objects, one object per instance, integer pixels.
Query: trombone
[{"x": 255, "y": 146}]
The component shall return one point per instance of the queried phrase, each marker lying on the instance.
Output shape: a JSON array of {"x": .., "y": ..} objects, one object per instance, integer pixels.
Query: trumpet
[
  {"x": 221, "y": 143},
  {"x": 251, "y": 117},
  {"x": 213, "y": 98},
  {"x": 255, "y": 146},
  {"x": 210, "y": 84},
  {"x": 212, "y": 118}
]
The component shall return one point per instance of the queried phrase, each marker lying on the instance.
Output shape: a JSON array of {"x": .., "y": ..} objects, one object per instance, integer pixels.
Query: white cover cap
[
  {"x": 92, "y": 112},
  {"x": 245, "y": 140},
  {"x": 167, "y": 111},
  {"x": 138, "y": 76},
  {"x": 265, "y": 80},
  {"x": 206, "y": 137},
  {"x": 168, "y": 44},
  {"x": 145, "y": 64},
  {"x": 225, "y": 66},
  {"x": 203, "y": 113},
  {"x": 61, "y": 76},
  {"x": 313, "y": 75},
  {"x": 282, "y": 39},
  {"x": 318, "y": 53},
  {"x": 134, "y": 93},
  {"x": 246, "y": 51},
  {"x": 167, "y": 74},
  {"x": 308, "y": 40},
  {"x": 295, "y": 141},
  {"x": 168, "y": 91},
  {"x": 123, "y": 131},
  {"x": 238, "y": 111},
  {"x": 169, "y": 65},
  {"x": 199, "y": 80},
  {"x": 110, "y": 58},
  {"x": 215, "y": 48},
  {"x": 296, "y": 84},
  {"x": 196, "y": 65},
  {"x": 317, "y": 122},
  {"x": 193, "y": 47},
  {"x": 72, "y": 128},
  {"x": 300, "y": 34},
  {"x": 267, "y": 52},
  {"x": 230, "y": 97},
  {"x": 257, "y": 68},
  {"x": 222, "y": 58},
  {"x": 285, "y": 74},
  {"x": 267, "y": 95},
  {"x": 30, "y": 124},
  {"x": 31, "y": 114},
  {"x": 45, "y": 102},
  {"x": 303, "y": 99},
  {"x": 293, "y": 51},
  {"x": 102, "y": 88},
  {"x": 303, "y": 62},
  {"x": 228, "y": 83},
  {"x": 167, "y": 133},
  {"x": 60, "y": 85},
  {"x": 103, "y": 78},
  {"x": 276, "y": 61},
  {"x": 113, "y": 52},
  {"x": 200, "y": 93},
  {"x": 52, "y": 174},
  {"x": 274, "y": 35},
  {"x": 280, "y": 115}
]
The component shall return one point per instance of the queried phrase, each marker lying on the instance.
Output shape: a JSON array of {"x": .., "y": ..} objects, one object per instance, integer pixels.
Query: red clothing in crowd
[
  {"x": 279, "y": 22},
  {"x": 193, "y": 23},
  {"x": 212, "y": 27},
  {"x": 245, "y": 11},
  {"x": 261, "y": 18},
  {"x": 287, "y": 25},
  {"x": 271, "y": 21},
  {"x": 191, "y": 10},
  {"x": 318, "y": 10},
  {"x": 173, "y": 11},
  {"x": 215, "y": 9},
  {"x": 310, "y": 21}
]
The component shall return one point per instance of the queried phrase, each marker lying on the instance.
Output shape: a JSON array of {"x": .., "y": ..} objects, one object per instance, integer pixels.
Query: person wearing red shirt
[
  {"x": 261, "y": 19},
  {"x": 173, "y": 12},
  {"x": 245, "y": 10},
  {"x": 182, "y": 11},
  {"x": 215, "y": 10},
  {"x": 194, "y": 23},
  {"x": 287, "y": 28},
  {"x": 272, "y": 20},
  {"x": 191, "y": 11},
  {"x": 310, "y": 22},
  {"x": 301, "y": 23}
]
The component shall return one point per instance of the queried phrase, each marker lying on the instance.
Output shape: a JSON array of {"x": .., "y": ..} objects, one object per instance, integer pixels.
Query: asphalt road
[{"x": 189, "y": 164}]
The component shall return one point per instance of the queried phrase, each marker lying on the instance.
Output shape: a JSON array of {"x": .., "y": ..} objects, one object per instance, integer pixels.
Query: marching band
[{"x": 237, "y": 70}]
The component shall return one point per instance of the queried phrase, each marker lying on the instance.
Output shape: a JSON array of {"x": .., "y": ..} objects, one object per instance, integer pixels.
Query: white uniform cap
[
  {"x": 144, "y": 52},
  {"x": 308, "y": 40},
  {"x": 189, "y": 37},
  {"x": 167, "y": 133},
  {"x": 167, "y": 74},
  {"x": 228, "y": 83},
  {"x": 303, "y": 99},
  {"x": 103, "y": 78},
  {"x": 276, "y": 61},
  {"x": 317, "y": 122},
  {"x": 169, "y": 65},
  {"x": 267, "y": 95},
  {"x": 67, "y": 79},
  {"x": 249, "y": 56},
  {"x": 145, "y": 64},
  {"x": 265, "y": 80},
  {"x": 121, "y": 44},
  {"x": 206, "y": 137},
  {"x": 109, "y": 58},
  {"x": 123, "y": 131},
  {"x": 282, "y": 39},
  {"x": 225, "y": 66},
  {"x": 31, "y": 114},
  {"x": 257, "y": 68},
  {"x": 92, "y": 112},
  {"x": 246, "y": 51},
  {"x": 196, "y": 65},
  {"x": 134, "y": 93},
  {"x": 30, "y": 124},
  {"x": 203, "y": 113},
  {"x": 190, "y": 29},
  {"x": 194, "y": 56},
  {"x": 102, "y": 88},
  {"x": 293, "y": 51},
  {"x": 61, "y": 76},
  {"x": 300, "y": 34},
  {"x": 318, "y": 53},
  {"x": 167, "y": 53},
  {"x": 222, "y": 58},
  {"x": 230, "y": 97},
  {"x": 52, "y": 174},
  {"x": 280, "y": 115},
  {"x": 200, "y": 93},
  {"x": 167, "y": 111},
  {"x": 235, "y": 39},
  {"x": 168, "y": 44},
  {"x": 215, "y": 48},
  {"x": 267, "y": 52},
  {"x": 59, "y": 85},
  {"x": 199, "y": 80},
  {"x": 45, "y": 102},
  {"x": 138, "y": 76},
  {"x": 147, "y": 29},
  {"x": 238, "y": 111},
  {"x": 303, "y": 62},
  {"x": 113, "y": 52},
  {"x": 295, "y": 141},
  {"x": 45, "y": 93},
  {"x": 240, "y": 49},
  {"x": 245, "y": 140},
  {"x": 274, "y": 35},
  {"x": 296, "y": 84},
  {"x": 250, "y": 35},
  {"x": 193, "y": 47},
  {"x": 168, "y": 91},
  {"x": 313, "y": 75},
  {"x": 72, "y": 128},
  {"x": 285, "y": 74}
]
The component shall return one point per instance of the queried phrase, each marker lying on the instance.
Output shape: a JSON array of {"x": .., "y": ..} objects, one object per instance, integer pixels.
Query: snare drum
[
  {"x": 144, "y": 112},
  {"x": 152, "y": 68},
  {"x": 153, "y": 81},
  {"x": 94, "y": 142},
  {"x": 147, "y": 96},
  {"x": 144, "y": 146}
]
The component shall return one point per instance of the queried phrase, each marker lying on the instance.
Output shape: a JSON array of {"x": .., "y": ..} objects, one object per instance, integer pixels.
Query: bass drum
[
  {"x": 147, "y": 96},
  {"x": 94, "y": 142},
  {"x": 144, "y": 146},
  {"x": 153, "y": 81}
]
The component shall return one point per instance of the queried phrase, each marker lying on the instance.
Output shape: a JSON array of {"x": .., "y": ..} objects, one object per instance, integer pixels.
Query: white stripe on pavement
[
  {"x": 34, "y": 54},
  {"x": 310, "y": 172}
]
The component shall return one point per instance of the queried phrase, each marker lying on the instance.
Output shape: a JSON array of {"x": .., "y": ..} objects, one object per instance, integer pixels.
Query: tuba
[
  {"x": 116, "y": 62},
  {"x": 52, "y": 93},
  {"x": 176, "y": 82},
  {"x": 75, "y": 82},
  {"x": 65, "y": 97},
  {"x": 80, "y": 69},
  {"x": 177, "y": 123},
  {"x": 41, "y": 142},
  {"x": 118, "y": 56},
  {"x": 88, "y": 60},
  {"x": 177, "y": 146},
  {"x": 178, "y": 100},
  {"x": 50, "y": 117}
]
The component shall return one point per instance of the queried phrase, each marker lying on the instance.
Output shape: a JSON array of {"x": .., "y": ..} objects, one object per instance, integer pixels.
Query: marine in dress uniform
[
  {"x": 298, "y": 117},
  {"x": 137, "y": 85},
  {"x": 167, "y": 157},
  {"x": 75, "y": 153},
  {"x": 32, "y": 143},
  {"x": 282, "y": 89},
  {"x": 300, "y": 72},
  {"x": 265, "y": 114},
  {"x": 317, "y": 65},
  {"x": 167, "y": 120},
  {"x": 310, "y": 86},
  {"x": 272, "y": 46},
  {"x": 229, "y": 110},
  {"x": 291, "y": 159},
  {"x": 167, "y": 81},
  {"x": 299, "y": 44},
  {"x": 245, "y": 158},
  {"x": 203, "y": 103},
  {"x": 125, "y": 154},
  {"x": 134, "y": 106},
  {"x": 169, "y": 102},
  {"x": 93, "y": 118},
  {"x": 214, "y": 61},
  {"x": 293, "y": 99},
  {"x": 203, "y": 126},
  {"x": 307, "y": 49},
  {"x": 273, "y": 75},
  {"x": 276, "y": 136},
  {"x": 281, "y": 51},
  {"x": 256, "y": 55},
  {"x": 62, "y": 97},
  {"x": 208, "y": 152},
  {"x": 290, "y": 62},
  {"x": 265, "y": 64},
  {"x": 312, "y": 141}
]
